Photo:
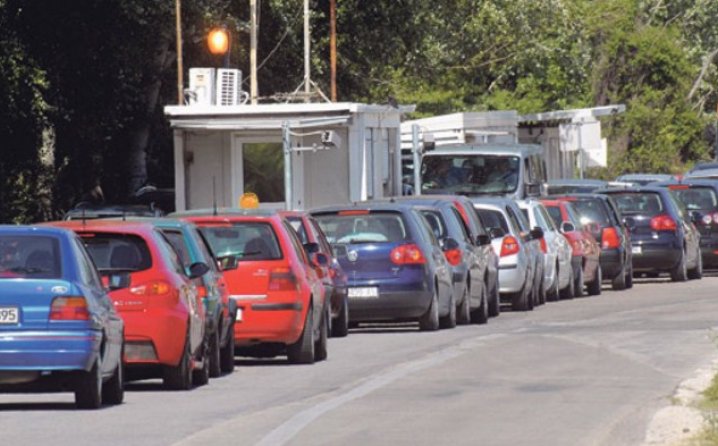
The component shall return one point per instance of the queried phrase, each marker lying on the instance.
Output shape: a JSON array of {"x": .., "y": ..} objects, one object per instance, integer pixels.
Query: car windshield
[
  {"x": 493, "y": 219},
  {"x": 112, "y": 252},
  {"x": 592, "y": 211},
  {"x": 643, "y": 203},
  {"x": 470, "y": 174},
  {"x": 244, "y": 240},
  {"x": 695, "y": 198},
  {"x": 365, "y": 227},
  {"x": 31, "y": 257}
]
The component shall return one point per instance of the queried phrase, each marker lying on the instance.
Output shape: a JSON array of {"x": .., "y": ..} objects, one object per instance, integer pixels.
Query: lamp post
[{"x": 178, "y": 30}]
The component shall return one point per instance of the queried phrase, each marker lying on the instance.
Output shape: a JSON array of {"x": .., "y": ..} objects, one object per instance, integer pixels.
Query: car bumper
[
  {"x": 611, "y": 261},
  {"x": 49, "y": 351},
  {"x": 709, "y": 252},
  {"x": 270, "y": 321},
  {"x": 511, "y": 278},
  {"x": 654, "y": 258},
  {"x": 160, "y": 330}
]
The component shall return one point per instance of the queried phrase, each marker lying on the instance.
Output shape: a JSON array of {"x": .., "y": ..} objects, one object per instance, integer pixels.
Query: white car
[{"x": 558, "y": 273}]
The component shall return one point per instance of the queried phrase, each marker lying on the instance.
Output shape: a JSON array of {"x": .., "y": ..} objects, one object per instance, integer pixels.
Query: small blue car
[{"x": 58, "y": 328}]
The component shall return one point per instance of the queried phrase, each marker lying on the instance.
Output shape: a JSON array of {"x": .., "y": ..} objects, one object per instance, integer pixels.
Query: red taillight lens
[
  {"x": 663, "y": 223},
  {"x": 154, "y": 288},
  {"x": 201, "y": 291},
  {"x": 610, "y": 238},
  {"x": 453, "y": 256},
  {"x": 509, "y": 246},
  {"x": 544, "y": 246},
  {"x": 407, "y": 255},
  {"x": 715, "y": 218},
  {"x": 282, "y": 279},
  {"x": 69, "y": 308}
]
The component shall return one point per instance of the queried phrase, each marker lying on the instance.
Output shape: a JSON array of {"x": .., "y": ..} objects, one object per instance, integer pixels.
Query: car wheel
[
  {"x": 226, "y": 355},
  {"x": 552, "y": 294},
  {"x": 449, "y": 321},
  {"x": 567, "y": 293},
  {"x": 619, "y": 282},
  {"x": 629, "y": 277},
  {"x": 521, "y": 301},
  {"x": 578, "y": 282},
  {"x": 113, "y": 391},
  {"x": 541, "y": 292},
  {"x": 481, "y": 314},
  {"x": 302, "y": 351},
  {"x": 594, "y": 288},
  {"x": 463, "y": 314},
  {"x": 680, "y": 272},
  {"x": 215, "y": 368},
  {"x": 495, "y": 302},
  {"x": 200, "y": 377},
  {"x": 179, "y": 377},
  {"x": 88, "y": 390},
  {"x": 697, "y": 272},
  {"x": 429, "y": 321},
  {"x": 340, "y": 326},
  {"x": 320, "y": 345}
]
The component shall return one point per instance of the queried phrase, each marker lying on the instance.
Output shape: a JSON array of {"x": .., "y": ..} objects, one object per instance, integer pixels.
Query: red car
[
  {"x": 163, "y": 312},
  {"x": 281, "y": 306},
  {"x": 332, "y": 275},
  {"x": 586, "y": 250}
]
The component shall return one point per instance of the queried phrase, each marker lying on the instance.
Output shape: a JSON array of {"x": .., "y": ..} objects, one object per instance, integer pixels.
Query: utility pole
[
  {"x": 307, "y": 80},
  {"x": 253, "y": 52},
  {"x": 333, "y": 48},
  {"x": 180, "y": 69}
]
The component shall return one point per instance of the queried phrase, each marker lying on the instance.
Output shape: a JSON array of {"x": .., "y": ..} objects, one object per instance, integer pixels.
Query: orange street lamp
[{"x": 218, "y": 43}]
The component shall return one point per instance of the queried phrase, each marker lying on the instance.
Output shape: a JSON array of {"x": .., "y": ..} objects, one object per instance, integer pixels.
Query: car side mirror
[
  {"x": 198, "y": 269},
  {"x": 311, "y": 248},
  {"x": 319, "y": 259},
  {"x": 116, "y": 281},
  {"x": 449, "y": 244},
  {"x": 496, "y": 233},
  {"x": 227, "y": 263},
  {"x": 567, "y": 226},
  {"x": 536, "y": 233},
  {"x": 483, "y": 239}
]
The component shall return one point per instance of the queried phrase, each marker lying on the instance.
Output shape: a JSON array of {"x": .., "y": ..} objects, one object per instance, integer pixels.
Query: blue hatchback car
[
  {"x": 58, "y": 327},
  {"x": 396, "y": 270}
]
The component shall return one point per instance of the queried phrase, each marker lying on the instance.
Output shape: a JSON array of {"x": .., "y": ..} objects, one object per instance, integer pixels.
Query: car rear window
[
  {"x": 298, "y": 227},
  {"x": 369, "y": 227},
  {"x": 555, "y": 213},
  {"x": 436, "y": 223},
  {"x": 32, "y": 257},
  {"x": 643, "y": 203},
  {"x": 592, "y": 210},
  {"x": 245, "y": 240},
  {"x": 493, "y": 219},
  {"x": 112, "y": 252},
  {"x": 697, "y": 197},
  {"x": 179, "y": 244}
]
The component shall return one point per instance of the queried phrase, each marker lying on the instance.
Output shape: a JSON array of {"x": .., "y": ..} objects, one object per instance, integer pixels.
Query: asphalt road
[{"x": 588, "y": 371}]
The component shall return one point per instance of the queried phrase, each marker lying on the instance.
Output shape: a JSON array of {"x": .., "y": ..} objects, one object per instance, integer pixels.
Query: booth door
[{"x": 258, "y": 167}]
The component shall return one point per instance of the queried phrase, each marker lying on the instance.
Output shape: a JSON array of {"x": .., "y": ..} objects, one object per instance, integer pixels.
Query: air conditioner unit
[
  {"x": 201, "y": 86},
  {"x": 229, "y": 83}
]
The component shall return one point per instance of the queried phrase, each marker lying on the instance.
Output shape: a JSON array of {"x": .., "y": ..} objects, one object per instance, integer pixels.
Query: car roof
[
  {"x": 702, "y": 173},
  {"x": 487, "y": 149},
  {"x": 223, "y": 212},
  {"x": 364, "y": 205},
  {"x": 576, "y": 182},
  {"x": 92, "y": 211},
  {"x": 104, "y": 225},
  {"x": 688, "y": 182},
  {"x": 495, "y": 201},
  {"x": 635, "y": 189},
  {"x": 35, "y": 230},
  {"x": 644, "y": 176}
]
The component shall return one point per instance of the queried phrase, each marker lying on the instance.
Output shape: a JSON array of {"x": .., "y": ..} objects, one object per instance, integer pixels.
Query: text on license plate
[
  {"x": 636, "y": 250},
  {"x": 9, "y": 315},
  {"x": 363, "y": 292}
]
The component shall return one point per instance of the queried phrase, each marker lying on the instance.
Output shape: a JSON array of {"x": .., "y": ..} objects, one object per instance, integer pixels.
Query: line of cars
[{"x": 87, "y": 305}]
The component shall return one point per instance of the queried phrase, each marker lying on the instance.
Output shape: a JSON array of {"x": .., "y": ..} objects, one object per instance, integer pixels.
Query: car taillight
[
  {"x": 69, "y": 308},
  {"x": 282, "y": 279},
  {"x": 544, "y": 247},
  {"x": 453, "y": 256},
  {"x": 715, "y": 218},
  {"x": 663, "y": 223},
  {"x": 610, "y": 238},
  {"x": 509, "y": 246},
  {"x": 407, "y": 255},
  {"x": 332, "y": 273},
  {"x": 201, "y": 291},
  {"x": 154, "y": 288}
]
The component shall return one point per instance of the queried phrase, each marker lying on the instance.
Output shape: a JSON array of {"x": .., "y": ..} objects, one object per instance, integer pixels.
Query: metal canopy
[{"x": 577, "y": 113}]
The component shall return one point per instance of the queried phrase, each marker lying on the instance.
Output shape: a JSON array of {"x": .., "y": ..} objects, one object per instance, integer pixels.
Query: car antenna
[
  {"x": 214, "y": 196},
  {"x": 83, "y": 216}
]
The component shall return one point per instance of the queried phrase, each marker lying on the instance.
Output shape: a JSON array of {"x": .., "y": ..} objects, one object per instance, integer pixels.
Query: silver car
[
  {"x": 520, "y": 257},
  {"x": 557, "y": 251}
]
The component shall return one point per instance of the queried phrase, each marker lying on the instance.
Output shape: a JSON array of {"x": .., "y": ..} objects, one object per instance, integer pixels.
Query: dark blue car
[
  {"x": 58, "y": 327},
  {"x": 700, "y": 198},
  {"x": 396, "y": 270},
  {"x": 663, "y": 237}
]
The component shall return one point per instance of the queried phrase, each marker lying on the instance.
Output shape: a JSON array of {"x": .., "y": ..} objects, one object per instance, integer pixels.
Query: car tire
[
  {"x": 680, "y": 273},
  {"x": 697, "y": 272},
  {"x": 629, "y": 277},
  {"x": 594, "y": 288},
  {"x": 226, "y": 354},
  {"x": 552, "y": 294},
  {"x": 179, "y": 377},
  {"x": 578, "y": 283},
  {"x": 567, "y": 293},
  {"x": 429, "y": 321},
  {"x": 520, "y": 301},
  {"x": 495, "y": 302},
  {"x": 481, "y": 314},
  {"x": 541, "y": 292},
  {"x": 320, "y": 345},
  {"x": 302, "y": 350},
  {"x": 215, "y": 368},
  {"x": 619, "y": 282},
  {"x": 200, "y": 377},
  {"x": 449, "y": 321},
  {"x": 88, "y": 389},
  {"x": 113, "y": 390},
  {"x": 463, "y": 313},
  {"x": 340, "y": 326}
]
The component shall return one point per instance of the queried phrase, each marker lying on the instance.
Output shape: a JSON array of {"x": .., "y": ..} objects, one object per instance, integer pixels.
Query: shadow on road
[{"x": 26, "y": 407}]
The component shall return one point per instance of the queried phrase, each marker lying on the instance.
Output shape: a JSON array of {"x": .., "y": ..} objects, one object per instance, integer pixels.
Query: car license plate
[
  {"x": 238, "y": 317},
  {"x": 636, "y": 250},
  {"x": 9, "y": 315},
  {"x": 364, "y": 292}
]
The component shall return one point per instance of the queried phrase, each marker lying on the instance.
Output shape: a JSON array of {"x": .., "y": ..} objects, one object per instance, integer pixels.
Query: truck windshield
[{"x": 470, "y": 174}]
